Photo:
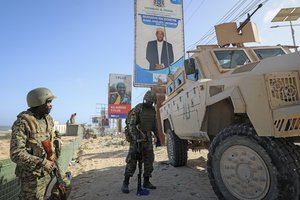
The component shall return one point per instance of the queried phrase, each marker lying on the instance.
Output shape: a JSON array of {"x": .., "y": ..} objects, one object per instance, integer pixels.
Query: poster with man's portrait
[
  {"x": 159, "y": 47},
  {"x": 119, "y": 95}
]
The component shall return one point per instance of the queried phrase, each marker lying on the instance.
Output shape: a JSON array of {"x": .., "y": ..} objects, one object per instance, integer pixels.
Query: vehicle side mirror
[{"x": 189, "y": 66}]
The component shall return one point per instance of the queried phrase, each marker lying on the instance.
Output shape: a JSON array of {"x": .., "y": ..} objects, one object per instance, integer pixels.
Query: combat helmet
[
  {"x": 150, "y": 96},
  {"x": 39, "y": 96}
]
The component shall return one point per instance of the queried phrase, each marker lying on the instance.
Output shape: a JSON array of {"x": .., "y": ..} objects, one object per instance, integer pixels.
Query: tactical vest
[
  {"x": 35, "y": 135},
  {"x": 146, "y": 118}
]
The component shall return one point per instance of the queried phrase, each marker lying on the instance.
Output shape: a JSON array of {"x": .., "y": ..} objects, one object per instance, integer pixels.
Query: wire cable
[
  {"x": 211, "y": 30},
  {"x": 237, "y": 11},
  {"x": 139, "y": 96},
  {"x": 199, "y": 6}
]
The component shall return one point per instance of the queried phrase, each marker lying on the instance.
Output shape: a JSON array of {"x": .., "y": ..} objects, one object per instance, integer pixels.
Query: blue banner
[
  {"x": 144, "y": 76},
  {"x": 176, "y": 1},
  {"x": 153, "y": 20},
  {"x": 117, "y": 116}
]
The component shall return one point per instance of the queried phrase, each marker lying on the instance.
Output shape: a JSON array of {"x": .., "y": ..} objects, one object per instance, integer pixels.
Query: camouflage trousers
[
  {"x": 148, "y": 159},
  {"x": 33, "y": 188}
]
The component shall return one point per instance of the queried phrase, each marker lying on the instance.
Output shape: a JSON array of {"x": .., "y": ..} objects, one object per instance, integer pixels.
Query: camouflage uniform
[
  {"x": 144, "y": 118},
  {"x": 140, "y": 124},
  {"x": 26, "y": 149}
]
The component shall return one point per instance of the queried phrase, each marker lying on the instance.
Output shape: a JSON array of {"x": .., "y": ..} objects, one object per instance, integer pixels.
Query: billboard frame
[
  {"x": 123, "y": 107},
  {"x": 146, "y": 85}
]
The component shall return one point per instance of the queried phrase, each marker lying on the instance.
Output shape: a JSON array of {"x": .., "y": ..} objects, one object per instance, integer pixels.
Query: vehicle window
[
  {"x": 170, "y": 88},
  {"x": 179, "y": 80},
  {"x": 266, "y": 53},
  {"x": 195, "y": 77},
  {"x": 229, "y": 59}
]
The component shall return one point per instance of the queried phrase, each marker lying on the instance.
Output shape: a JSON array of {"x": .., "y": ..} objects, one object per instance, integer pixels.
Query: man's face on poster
[
  {"x": 160, "y": 35},
  {"x": 121, "y": 89}
]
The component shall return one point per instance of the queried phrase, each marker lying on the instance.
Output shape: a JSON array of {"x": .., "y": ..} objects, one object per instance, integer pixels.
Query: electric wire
[
  {"x": 195, "y": 11},
  {"x": 188, "y": 5},
  {"x": 211, "y": 30},
  {"x": 251, "y": 6},
  {"x": 227, "y": 18},
  {"x": 139, "y": 96},
  {"x": 237, "y": 11}
]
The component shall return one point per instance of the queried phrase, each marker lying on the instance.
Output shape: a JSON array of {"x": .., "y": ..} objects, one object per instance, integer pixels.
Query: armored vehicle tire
[
  {"x": 242, "y": 165},
  {"x": 177, "y": 149}
]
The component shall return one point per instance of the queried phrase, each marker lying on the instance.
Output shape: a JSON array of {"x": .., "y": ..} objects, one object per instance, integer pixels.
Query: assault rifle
[
  {"x": 139, "y": 155},
  {"x": 140, "y": 191},
  {"x": 56, "y": 178}
]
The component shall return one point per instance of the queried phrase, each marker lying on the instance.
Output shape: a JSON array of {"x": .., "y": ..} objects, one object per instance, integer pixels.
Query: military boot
[
  {"x": 148, "y": 184},
  {"x": 125, "y": 188}
]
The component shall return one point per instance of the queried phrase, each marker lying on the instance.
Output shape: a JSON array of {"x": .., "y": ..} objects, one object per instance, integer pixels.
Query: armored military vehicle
[{"x": 243, "y": 103}]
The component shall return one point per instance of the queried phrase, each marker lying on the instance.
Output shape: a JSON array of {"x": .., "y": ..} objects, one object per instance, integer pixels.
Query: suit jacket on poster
[{"x": 152, "y": 54}]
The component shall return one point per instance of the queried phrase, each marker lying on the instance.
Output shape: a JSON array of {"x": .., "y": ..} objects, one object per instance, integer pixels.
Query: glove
[
  {"x": 157, "y": 143},
  {"x": 48, "y": 165}
]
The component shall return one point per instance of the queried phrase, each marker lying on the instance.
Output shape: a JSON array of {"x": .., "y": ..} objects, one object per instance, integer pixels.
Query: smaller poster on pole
[{"x": 119, "y": 95}]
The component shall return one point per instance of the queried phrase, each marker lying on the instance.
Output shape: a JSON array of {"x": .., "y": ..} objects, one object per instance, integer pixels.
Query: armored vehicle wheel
[
  {"x": 177, "y": 149},
  {"x": 242, "y": 165}
]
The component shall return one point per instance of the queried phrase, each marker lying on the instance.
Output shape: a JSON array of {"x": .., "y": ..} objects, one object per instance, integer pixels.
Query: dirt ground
[
  {"x": 98, "y": 174},
  {"x": 4, "y": 149}
]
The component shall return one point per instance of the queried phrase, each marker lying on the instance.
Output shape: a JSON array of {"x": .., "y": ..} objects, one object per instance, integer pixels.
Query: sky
[{"x": 71, "y": 47}]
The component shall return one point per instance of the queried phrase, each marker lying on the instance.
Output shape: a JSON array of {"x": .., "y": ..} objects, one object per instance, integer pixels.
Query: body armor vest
[
  {"x": 36, "y": 133},
  {"x": 147, "y": 118}
]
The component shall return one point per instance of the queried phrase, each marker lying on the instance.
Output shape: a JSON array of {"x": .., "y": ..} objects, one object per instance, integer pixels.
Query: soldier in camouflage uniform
[
  {"x": 29, "y": 130},
  {"x": 142, "y": 123}
]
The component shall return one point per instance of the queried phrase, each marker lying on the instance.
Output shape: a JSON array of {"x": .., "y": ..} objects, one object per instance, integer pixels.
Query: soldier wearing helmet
[
  {"x": 28, "y": 131},
  {"x": 142, "y": 123}
]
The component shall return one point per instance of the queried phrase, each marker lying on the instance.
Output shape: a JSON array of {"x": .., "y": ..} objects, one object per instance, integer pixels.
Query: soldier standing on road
[
  {"x": 29, "y": 130},
  {"x": 142, "y": 123}
]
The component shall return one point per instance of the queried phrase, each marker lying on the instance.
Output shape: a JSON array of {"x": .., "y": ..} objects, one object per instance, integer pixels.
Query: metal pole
[
  {"x": 166, "y": 39},
  {"x": 293, "y": 35},
  {"x": 119, "y": 125},
  {"x": 169, "y": 67}
]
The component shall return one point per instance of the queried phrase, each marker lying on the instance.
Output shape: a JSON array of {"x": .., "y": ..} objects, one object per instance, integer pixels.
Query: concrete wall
[{"x": 75, "y": 130}]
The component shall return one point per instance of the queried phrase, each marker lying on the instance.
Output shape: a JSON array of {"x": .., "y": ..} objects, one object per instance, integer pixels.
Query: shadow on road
[
  {"x": 173, "y": 184},
  {"x": 103, "y": 155}
]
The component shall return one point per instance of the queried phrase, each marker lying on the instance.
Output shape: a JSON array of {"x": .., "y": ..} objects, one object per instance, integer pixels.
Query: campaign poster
[
  {"x": 119, "y": 95},
  {"x": 159, "y": 40},
  {"x": 104, "y": 121},
  {"x": 95, "y": 120}
]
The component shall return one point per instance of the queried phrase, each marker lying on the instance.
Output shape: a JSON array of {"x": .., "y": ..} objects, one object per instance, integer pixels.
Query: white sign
[{"x": 159, "y": 47}]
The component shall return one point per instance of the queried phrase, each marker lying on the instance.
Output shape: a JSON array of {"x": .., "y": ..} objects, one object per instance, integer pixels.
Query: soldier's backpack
[{"x": 126, "y": 129}]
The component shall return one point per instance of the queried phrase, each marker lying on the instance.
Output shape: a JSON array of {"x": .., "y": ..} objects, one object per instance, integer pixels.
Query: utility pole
[
  {"x": 288, "y": 15},
  {"x": 293, "y": 34}
]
